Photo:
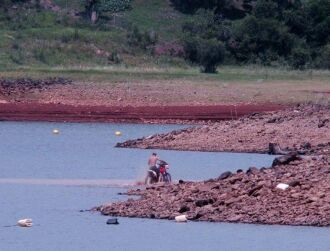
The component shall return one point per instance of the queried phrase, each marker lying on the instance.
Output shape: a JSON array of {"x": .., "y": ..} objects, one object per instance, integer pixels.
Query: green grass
[
  {"x": 157, "y": 15},
  {"x": 44, "y": 38},
  {"x": 121, "y": 73}
]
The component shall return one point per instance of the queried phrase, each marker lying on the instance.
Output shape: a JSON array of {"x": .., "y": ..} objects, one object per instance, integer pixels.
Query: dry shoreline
[{"x": 250, "y": 197}]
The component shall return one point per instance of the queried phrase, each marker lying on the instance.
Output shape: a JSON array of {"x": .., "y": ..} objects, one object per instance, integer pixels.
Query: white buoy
[
  {"x": 117, "y": 133},
  {"x": 56, "y": 131},
  {"x": 181, "y": 218},
  {"x": 282, "y": 186},
  {"x": 25, "y": 223}
]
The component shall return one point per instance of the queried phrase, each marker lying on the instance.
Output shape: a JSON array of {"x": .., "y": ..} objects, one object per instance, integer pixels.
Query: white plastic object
[
  {"x": 181, "y": 218},
  {"x": 282, "y": 186},
  {"x": 25, "y": 223}
]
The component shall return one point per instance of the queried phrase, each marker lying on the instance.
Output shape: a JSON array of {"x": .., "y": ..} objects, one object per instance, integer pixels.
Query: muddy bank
[
  {"x": 33, "y": 111},
  {"x": 250, "y": 197},
  {"x": 302, "y": 128}
]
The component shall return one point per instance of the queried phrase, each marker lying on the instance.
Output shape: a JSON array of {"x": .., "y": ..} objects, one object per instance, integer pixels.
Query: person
[
  {"x": 152, "y": 163},
  {"x": 153, "y": 160}
]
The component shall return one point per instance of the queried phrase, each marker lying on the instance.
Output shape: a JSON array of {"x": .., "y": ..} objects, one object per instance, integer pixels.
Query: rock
[
  {"x": 322, "y": 123},
  {"x": 184, "y": 209},
  {"x": 294, "y": 183},
  {"x": 275, "y": 149},
  {"x": 286, "y": 159},
  {"x": 201, "y": 203},
  {"x": 306, "y": 145},
  {"x": 312, "y": 199},
  {"x": 252, "y": 170},
  {"x": 235, "y": 218},
  {"x": 231, "y": 201},
  {"x": 253, "y": 190},
  {"x": 296, "y": 195},
  {"x": 189, "y": 200},
  {"x": 225, "y": 175}
]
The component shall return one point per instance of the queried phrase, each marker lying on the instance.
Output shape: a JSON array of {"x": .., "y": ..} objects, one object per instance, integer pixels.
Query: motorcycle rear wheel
[{"x": 167, "y": 178}]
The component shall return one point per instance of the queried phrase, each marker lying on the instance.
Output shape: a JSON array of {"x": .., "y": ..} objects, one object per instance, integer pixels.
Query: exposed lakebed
[{"x": 50, "y": 178}]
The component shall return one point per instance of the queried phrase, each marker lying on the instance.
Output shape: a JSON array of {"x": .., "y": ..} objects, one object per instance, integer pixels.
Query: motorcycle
[{"x": 158, "y": 173}]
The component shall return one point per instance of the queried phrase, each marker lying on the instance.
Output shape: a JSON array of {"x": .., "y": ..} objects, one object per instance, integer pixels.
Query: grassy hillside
[{"x": 30, "y": 37}]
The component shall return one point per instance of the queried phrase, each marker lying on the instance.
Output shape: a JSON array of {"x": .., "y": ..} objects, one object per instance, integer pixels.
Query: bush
[
  {"x": 115, "y": 58},
  {"x": 145, "y": 40}
]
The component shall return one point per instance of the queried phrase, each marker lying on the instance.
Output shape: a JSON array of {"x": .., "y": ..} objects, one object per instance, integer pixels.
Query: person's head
[{"x": 154, "y": 154}]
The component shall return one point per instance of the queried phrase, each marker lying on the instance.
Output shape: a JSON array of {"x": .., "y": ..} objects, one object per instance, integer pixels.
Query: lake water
[{"x": 50, "y": 178}]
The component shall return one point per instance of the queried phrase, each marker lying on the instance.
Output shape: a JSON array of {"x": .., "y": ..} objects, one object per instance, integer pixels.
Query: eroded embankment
[
  {"x": 250, "y": 197},
  {"x": 58, "y": 99},
  {"x": 34, "y": 111}
]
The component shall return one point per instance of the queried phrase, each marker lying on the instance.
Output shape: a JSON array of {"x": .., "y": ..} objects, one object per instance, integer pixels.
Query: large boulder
[{"x": 286, "y": 159}]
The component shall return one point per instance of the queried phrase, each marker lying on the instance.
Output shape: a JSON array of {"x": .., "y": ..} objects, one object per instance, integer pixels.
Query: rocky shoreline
[
  {"x": 252, "y": 196},
  {"x": 304, "y": 128}
]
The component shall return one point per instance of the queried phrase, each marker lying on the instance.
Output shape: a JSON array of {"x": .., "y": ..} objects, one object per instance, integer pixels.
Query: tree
[
  {"x": 202, "y": 40},
  {"x": 93, "y": 8},
  {"x": 261, "y": 40}
]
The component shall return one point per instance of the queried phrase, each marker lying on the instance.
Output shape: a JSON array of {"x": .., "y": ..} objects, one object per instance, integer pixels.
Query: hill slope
[{"x": 62, "y": 36}]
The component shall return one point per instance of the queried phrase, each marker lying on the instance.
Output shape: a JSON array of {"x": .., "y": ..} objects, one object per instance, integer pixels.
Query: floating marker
[
  {"x": 25, "y": 223},
  {"x": 117, "y": 133},
  {"x": 56, "y": 131}
]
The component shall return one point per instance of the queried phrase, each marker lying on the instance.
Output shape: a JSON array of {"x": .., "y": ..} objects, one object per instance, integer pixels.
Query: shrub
[
  {"x": 145, "y": 40},
  {"x": 115, "y": 58}
]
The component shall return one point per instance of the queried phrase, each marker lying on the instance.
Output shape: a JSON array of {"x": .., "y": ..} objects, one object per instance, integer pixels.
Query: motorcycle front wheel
[{"x": 148, "y": 180}]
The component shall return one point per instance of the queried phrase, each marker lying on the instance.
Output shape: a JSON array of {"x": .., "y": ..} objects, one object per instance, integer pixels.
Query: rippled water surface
[{"x": 50, "y": 178}]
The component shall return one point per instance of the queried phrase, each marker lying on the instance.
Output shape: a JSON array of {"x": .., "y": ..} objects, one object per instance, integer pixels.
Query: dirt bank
[
  {"x": 21, "y": 111},
  {"x": 59, "y": 99}
]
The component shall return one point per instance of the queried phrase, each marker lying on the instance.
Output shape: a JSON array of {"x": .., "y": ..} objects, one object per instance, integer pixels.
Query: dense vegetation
[
  {"x": 289, "y": 33},
  {"x": 272, "y": 32}
]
